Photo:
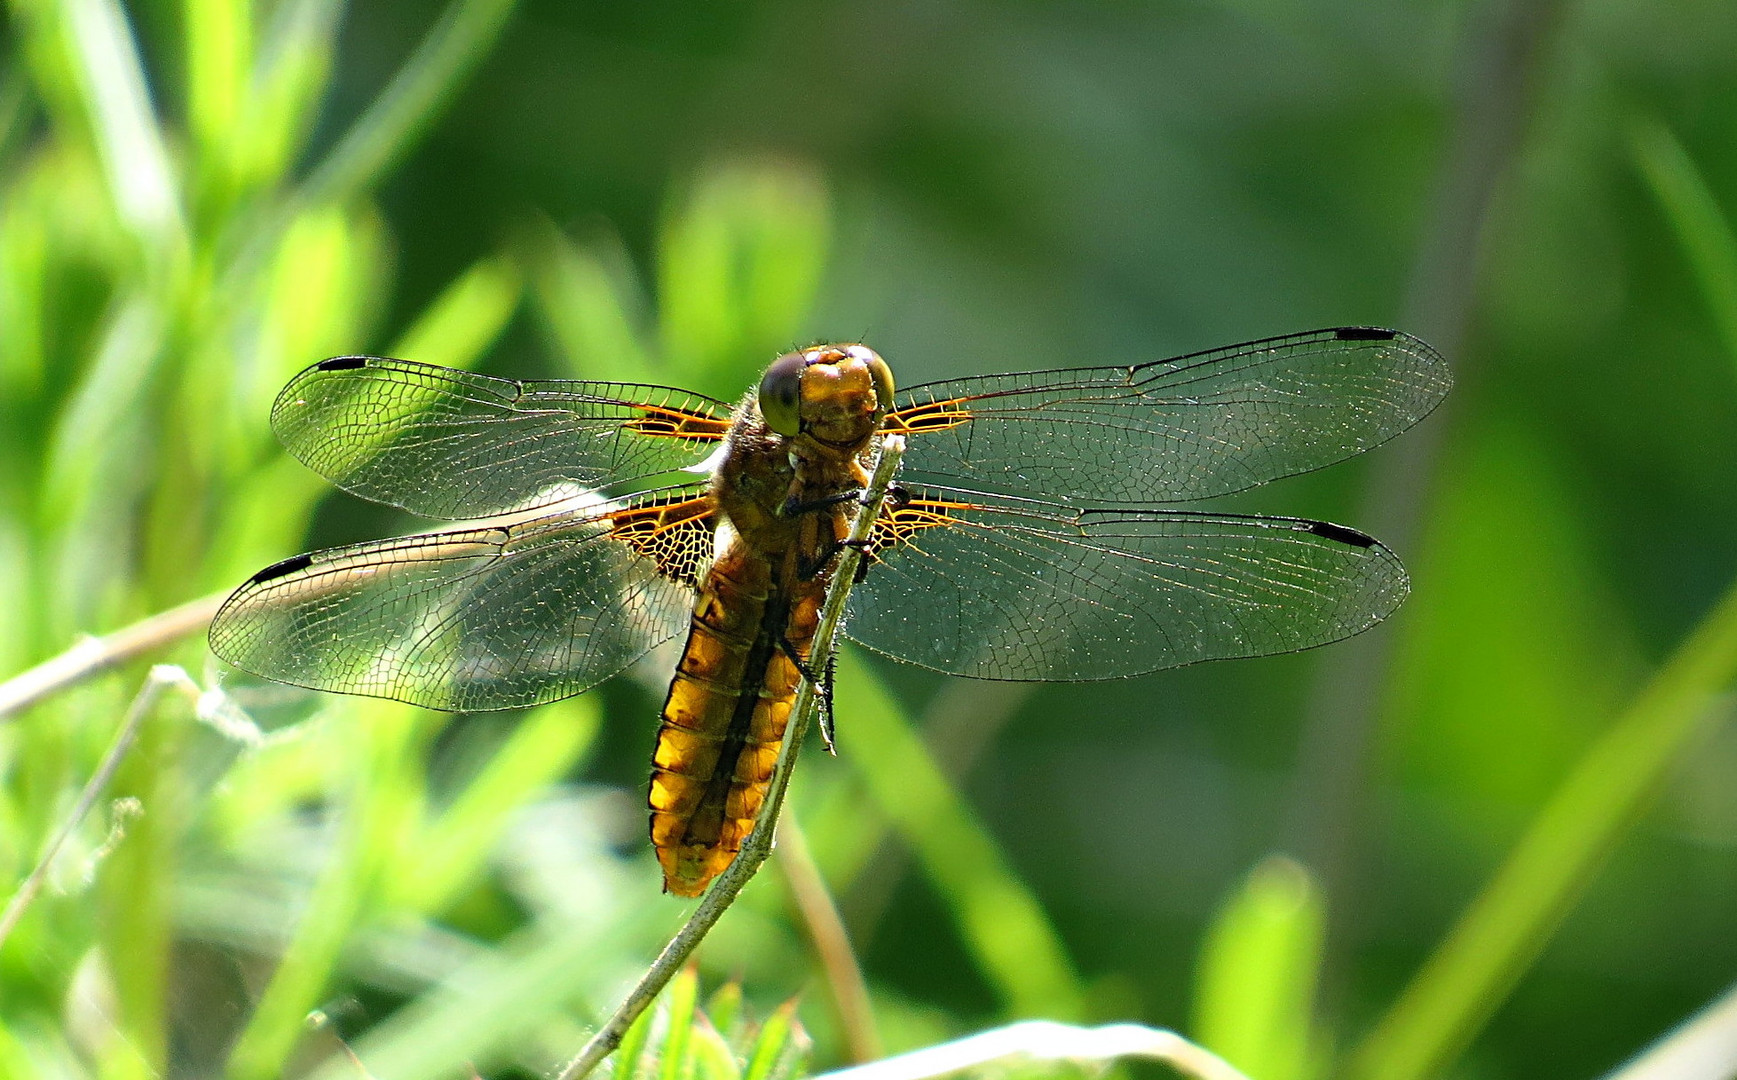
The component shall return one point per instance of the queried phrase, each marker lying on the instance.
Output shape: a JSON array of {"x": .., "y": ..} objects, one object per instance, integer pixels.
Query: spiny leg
[{"x": 822, "y": 683}]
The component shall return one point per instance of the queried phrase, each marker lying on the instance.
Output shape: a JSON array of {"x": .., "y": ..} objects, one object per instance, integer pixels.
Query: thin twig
[
  {"x": 729, "y": 884},
  {"x": 162, "y": 677},
  {"x": 93, "y": 655},
  {"x": 1046, "y": 1040},
  {"x": 831, "y": 942}
]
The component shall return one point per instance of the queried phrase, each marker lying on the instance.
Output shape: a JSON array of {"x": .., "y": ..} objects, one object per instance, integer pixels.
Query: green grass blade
[
  {"x": 219, "y": 42},
  {"x": 776, "y": 1045},
  {"x": 383, "y": 782},
  {"x": 684, "y": 993},
  {"x": 508, "y": 1004},
  {"x": 466, "y": 319},
  {"x": 463, "y": 36},
  {"x": 136, "y": 917},
  {"x": 711, "y": 1054},
  {"x": 588, "y": 298},
  {"x": 724, "y": 1009},
  {"x": 1694, "y": 215},
  {"x": 630, "y": 1053},
  {"x": 1254, "y": 994},
  {"x": 129, "y": 141},
  {"x": 1002, "y": 923},
  {"x": 431, "y": 870},
  {"x": 296, "y": 58},
  {"x": 1508, "y": 924}
]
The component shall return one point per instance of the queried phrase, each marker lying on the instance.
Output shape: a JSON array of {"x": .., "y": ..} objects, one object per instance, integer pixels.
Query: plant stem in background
[
  {"x": 826, "y": 929},
  {"x": 93, "y": 656},
  {"x": 1046, "y": 1040},
  {"x": 1497, "y": 77},
  {"x": 1703, "y": 1046},
  {"x": 162, "y": 677}
]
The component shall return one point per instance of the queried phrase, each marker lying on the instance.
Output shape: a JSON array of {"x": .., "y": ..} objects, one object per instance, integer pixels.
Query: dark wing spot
[
  {"x": 342, "y": 363},
  {"x": 1341, "y": 534},
  {"x": 281, "y": 569},
  {"x": 1364, "y": 333}
]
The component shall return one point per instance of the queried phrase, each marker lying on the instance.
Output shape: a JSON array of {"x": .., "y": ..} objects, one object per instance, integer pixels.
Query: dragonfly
[{"x": 1033, "y": 534}]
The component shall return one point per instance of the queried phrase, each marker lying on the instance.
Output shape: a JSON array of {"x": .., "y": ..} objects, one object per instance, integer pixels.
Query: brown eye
[
  {"x": 883, "y": 380},
  {"x": 781, "y": 394}
]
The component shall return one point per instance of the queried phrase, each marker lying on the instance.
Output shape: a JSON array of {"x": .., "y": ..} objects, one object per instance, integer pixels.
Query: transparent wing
[
  {"x": 1205, "y": 424},
  {"x": 519, "y": 611},
  {"x": 452, "y": 444},
  {"x": 996, "y": 588}
]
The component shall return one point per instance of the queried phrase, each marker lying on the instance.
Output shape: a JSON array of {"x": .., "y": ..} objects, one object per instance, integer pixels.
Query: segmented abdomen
[{"x": 725, "y": 716}]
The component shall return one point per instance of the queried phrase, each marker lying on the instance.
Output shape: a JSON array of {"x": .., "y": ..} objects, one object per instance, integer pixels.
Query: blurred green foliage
[{"x": 197, "y": 200}]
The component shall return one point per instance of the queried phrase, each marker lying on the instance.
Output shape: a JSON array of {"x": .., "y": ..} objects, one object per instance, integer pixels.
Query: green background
[{"x": 1509, "y": 814}]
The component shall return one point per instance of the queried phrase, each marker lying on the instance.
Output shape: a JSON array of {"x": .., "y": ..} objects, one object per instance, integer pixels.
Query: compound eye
[
  {"x": 882, "y": 375},
  {"x": 781, "y": 394}
]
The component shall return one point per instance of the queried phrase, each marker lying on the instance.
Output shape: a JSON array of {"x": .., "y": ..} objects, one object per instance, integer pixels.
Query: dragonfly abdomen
[{"x": 725, "y": 716}]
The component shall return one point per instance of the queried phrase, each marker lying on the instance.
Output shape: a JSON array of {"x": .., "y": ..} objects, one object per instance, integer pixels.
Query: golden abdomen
[{"x": 725, "y": 716}]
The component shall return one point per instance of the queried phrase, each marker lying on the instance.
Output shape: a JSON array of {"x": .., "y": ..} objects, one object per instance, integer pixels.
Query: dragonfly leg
[
  {"x": 822, "y": 683},
  {"x": 898, "y": 496},
  {"x": 867, "y": 546},
  {"x": 794, "y": 507}
]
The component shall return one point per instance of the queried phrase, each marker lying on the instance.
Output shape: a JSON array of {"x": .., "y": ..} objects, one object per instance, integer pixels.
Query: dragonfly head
[{"x": 835, "y": 393}]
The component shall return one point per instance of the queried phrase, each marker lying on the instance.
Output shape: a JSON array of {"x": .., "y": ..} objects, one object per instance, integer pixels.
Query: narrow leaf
[
  {"x": 467, "y": 318},
  {"x": 1254, "y": 995},
  {"x": 1002, "y": 923},
  {"x": 1499, "y": 936}
]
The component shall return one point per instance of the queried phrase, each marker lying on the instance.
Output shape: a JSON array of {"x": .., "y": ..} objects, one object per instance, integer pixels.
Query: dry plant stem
[
  {"x": 837, "y": 958},
  {"x": 94, "y": 655},
  {"x": 1046, "y": 1040},
  {"x": 1702, "y": 1048},
  {"x": 162, "y": 677},
  {"x": 729, "y": 884}
]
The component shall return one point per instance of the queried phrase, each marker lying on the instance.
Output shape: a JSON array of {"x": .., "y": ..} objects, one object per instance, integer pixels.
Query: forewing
[
  {"x": 1003, "y": 589},
  {"x": 1200, "y": 425},
  {"x": 453, "y": 444},
  {"x": 520, "y": 611}
]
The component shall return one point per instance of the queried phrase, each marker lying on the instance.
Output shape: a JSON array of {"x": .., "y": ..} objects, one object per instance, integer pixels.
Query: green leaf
[
  {"x": 466, "y": 319},
  {"x": 1500, "y": 935},
  {"x": 1002, "y": 923},
  {"x": 679, "y": 1003},
  {"x": 632, "y": 1049},
  {"x": 739, "y": 264},
  {"x": 1696, "y": 218},
  {"x": 588, "y": 297},
  {"x": 545, "y": 744},
  {"x": 777, "y": 1049},
  {"x": 1254, "y": 993}
]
